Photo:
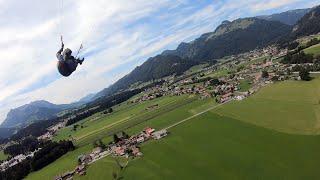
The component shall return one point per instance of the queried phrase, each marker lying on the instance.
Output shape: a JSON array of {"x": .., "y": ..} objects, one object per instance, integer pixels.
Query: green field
[
  {"x": 218, "y": 147},
  {"x": 3, "y": 156},
  {"x": 245, "y": 85},
  {"x": 196, "y": 68},
  {"x": 291, "y": 107},
  {"x": 271, "y": 135},
  {"x": 315, "y": 50},
  {"x": 159, "y": 119}
]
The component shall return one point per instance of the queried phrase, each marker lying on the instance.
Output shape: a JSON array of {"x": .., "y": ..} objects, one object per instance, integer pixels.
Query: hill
[
  {"x": 229, "y": 38},
  {"x": 289, "y": 17},
  {"x": 308, "y": 24},
  {"x": 154, "y": 68},
  {"x": 232, "y": 38},
  {"x": 35, "y": 111}
]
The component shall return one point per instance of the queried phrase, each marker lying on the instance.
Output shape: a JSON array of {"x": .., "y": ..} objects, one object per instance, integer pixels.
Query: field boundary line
[{"x": 195, "y": 115}]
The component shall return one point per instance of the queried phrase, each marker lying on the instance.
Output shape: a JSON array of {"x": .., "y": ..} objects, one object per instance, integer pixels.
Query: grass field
[
  {"x": 257, "y": 138},
  {"x": 315, "y": 50},
  {"x": 218, "y": 73},
  {"x": 245, "y": 85},
  {"x": 291, "y": 107},
  {"x": 218, "y": 147},
  {"x": 160, "y": 119},
  {"x": 196, "y": 68},
  {"x": 3, "y": 156}
]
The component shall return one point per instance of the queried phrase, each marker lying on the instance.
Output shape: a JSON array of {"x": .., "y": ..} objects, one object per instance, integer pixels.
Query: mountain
[
  {"x": 7, "y": 132},
  {"x": 154, "y": 68},
  {"x": 289, "y": 17},
  {"x": 87, "y": 98},
  {"x": 308, "y": 24},
  {"x": 35, "y": 111},
  {"x": 229, "y": 38}
]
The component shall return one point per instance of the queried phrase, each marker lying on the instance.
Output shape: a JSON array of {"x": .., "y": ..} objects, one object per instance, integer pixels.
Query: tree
[
  {"x": 75, "y": 127},
  {"x": 116, "y": 139},
  {"x": 275, "y": 78},
  {"x": 265, "y": 74},
  {"x": 304, "y": 74},
  {"x": 293, "y": 45}
]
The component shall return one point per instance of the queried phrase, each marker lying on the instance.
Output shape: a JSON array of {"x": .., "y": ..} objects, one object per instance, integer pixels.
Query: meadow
[
  {"x": 290, "y": 107},
  {"x": 3, "y": 156},
  {"x": 157, "y": 118},
  {"x": 271, "y": 135},
  {"x": 315, "y": 50},
  {"x": 217, "y": 147}
]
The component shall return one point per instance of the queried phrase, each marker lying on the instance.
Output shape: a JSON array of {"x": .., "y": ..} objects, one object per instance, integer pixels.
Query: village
[
  {"x": 240, "y": 68},
  {"x": 122, "y": 146}
]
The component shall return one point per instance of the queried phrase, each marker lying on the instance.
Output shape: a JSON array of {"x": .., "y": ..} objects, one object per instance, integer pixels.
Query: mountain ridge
[{"x": 33, "y": 111}]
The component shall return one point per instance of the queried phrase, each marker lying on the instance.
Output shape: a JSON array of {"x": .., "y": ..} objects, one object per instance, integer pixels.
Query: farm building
[{"x": 160, "y": 134}]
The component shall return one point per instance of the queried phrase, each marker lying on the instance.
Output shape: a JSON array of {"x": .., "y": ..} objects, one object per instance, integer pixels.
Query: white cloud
[{"x": 271, "y": 4}]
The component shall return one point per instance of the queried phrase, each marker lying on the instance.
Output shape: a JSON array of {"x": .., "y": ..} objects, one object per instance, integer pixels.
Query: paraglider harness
[{"x": 63, "y": 66}]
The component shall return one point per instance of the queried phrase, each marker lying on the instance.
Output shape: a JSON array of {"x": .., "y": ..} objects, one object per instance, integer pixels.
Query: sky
[{"x": 117, "y": 36}]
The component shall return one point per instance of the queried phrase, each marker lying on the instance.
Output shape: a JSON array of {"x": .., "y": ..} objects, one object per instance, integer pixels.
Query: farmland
[
  {"x": 217, "y": 147},
  {"x": 291, "y": 107},
  {"x": 222, "y": 143},
  {"x": 159, "y": 119}
]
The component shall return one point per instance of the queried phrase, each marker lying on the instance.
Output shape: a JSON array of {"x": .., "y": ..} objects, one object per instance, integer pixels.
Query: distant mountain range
[
  {"x": 34, "y": 111},
  {"x": 289, "y": 17},
  {"x": 229, "y": 38}
]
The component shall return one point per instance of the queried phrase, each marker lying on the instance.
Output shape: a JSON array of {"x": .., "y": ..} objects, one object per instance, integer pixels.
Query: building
[
  {"x": 160, "y": 134},
  {"x": 149, "y": 130},
  {"x": 97, "y": 150},
  {"x": 84, "y": 159}
]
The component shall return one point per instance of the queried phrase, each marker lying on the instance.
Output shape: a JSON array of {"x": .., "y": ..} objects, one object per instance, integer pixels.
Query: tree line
[{"x": 49, "y": 153}]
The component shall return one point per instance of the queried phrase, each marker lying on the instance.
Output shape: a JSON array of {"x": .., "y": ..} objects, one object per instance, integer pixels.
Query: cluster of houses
[
  {"x": 125, "y": 146},
  {"x": 52, "y": 130},
  {"x": 129, "y": 146},
  {"x": 16, "y": 160}
]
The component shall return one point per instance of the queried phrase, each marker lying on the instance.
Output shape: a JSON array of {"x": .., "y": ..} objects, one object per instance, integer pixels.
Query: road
[{"x": 193, "y": 116}]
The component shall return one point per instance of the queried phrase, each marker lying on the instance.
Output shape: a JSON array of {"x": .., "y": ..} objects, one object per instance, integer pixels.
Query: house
[
  {"x": 84, "y": 159},
  {"x": 136, "y": 151},
  {"x": 140, "y": 139},
  {"x": 239, "y": 98},
  {"x": 149, "y": 130},
  {"x": 119, "y": 151},
  {"x": 226, "y": 97},
  {"x": 160, "y": 134},
  {"x": 97, "y": 150}
]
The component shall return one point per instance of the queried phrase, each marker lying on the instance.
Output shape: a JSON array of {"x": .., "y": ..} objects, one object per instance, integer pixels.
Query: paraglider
[{"x": 67, "y": 63}]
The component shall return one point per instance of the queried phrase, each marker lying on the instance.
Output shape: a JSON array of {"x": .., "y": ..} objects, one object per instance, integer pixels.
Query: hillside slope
[
  {"x": 229, "y": 38},
  {"x": 154, "y": 68},
  {"x": 35, "y": 111},
  {"x": 289, "y": 17},
  {"x": 308, "y": 24}
]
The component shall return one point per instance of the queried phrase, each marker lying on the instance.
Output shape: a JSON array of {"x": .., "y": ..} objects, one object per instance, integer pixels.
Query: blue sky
[{"x": 117, "y": 34}]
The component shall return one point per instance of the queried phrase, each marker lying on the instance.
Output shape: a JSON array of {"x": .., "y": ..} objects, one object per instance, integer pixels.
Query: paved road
[{"x": 193, "y": 116}]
